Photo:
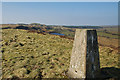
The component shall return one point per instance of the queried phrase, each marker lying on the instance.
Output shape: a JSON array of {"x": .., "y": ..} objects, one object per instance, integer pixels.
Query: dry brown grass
[{"x": 108, "y": 42}]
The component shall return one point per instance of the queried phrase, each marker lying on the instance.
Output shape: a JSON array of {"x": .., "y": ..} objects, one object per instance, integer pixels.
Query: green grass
[
  {"x": 33, "y": 52},
  {"x": 108, "y": 58},
  {"x": 106, "y": 35},
  {"x": 100, "y": 32},
  {"x": 32, "y": 55},
  {"x": 111, "y": 30}
]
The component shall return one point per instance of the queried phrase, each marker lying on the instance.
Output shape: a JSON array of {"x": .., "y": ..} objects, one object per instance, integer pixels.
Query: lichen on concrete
[{"x": 85, "y": 56}]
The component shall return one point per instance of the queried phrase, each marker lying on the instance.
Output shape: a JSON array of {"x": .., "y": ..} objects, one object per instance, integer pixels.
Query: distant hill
[
  {"x": 84, "y": 27},
  {"x": 111, "y": 26}
]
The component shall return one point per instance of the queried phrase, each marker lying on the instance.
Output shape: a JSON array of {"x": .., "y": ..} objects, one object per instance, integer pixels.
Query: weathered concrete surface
[{"x": 85, "y": 56}]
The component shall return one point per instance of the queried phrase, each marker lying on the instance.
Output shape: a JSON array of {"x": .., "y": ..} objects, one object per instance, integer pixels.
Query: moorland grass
[{"x": 32, "y": 55}]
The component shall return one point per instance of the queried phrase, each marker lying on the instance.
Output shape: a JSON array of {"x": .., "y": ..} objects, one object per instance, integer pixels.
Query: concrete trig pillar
[{"x": 85, "y": 55}]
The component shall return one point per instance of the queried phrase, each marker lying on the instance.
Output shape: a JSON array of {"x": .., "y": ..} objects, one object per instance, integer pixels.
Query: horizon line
[{"x": 60, "y": 24}]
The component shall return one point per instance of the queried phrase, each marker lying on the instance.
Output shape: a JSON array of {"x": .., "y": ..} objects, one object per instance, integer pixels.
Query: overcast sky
[{"x": 61, "y": 13}]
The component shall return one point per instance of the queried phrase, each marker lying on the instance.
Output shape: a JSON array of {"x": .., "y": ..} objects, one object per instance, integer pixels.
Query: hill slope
[{"x": 33, "y": 55}]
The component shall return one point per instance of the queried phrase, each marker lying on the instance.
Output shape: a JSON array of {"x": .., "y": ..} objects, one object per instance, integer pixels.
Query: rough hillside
[{"x": 33, "y": 55}]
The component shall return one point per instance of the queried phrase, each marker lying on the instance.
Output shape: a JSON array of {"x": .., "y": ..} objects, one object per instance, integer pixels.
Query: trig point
[{"x": 84, "y": 62}]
